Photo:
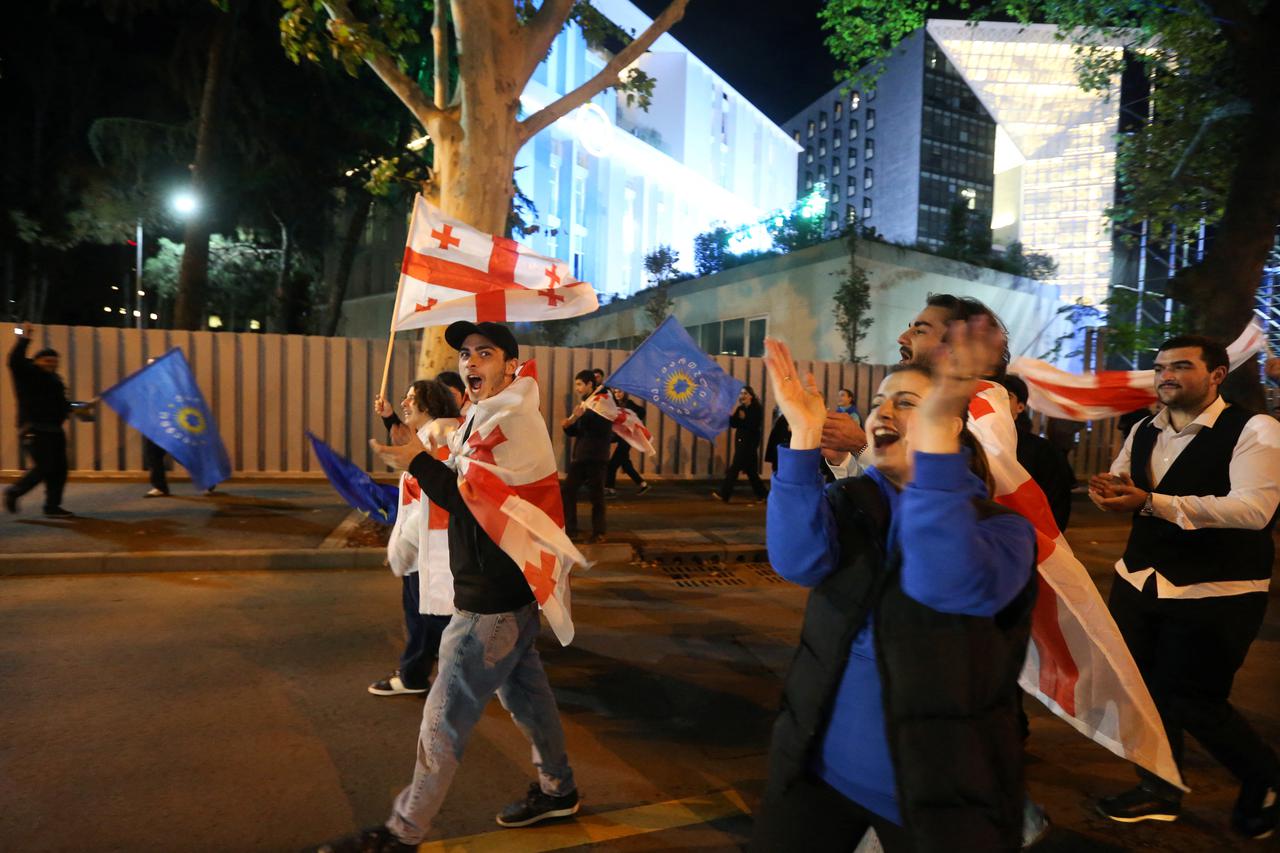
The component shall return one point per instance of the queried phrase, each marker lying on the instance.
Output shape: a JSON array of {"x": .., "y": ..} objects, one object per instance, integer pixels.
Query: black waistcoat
[
  {"x": 949, "y": 687},
  {"x": 1203, "y": 468}
]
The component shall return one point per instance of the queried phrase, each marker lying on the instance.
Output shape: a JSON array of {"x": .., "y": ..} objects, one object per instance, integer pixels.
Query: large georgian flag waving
[
  {"x": 507, "y": 475},
  {"x": 1077, "y": 663},
  {"x": 1109, "y": 393},
  {"x": 626, "y": 424},
  {"x": 452, "y": 272}
]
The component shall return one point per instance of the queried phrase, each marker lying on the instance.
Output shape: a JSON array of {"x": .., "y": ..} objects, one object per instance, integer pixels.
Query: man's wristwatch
[{"x": 1147, "y": 508}]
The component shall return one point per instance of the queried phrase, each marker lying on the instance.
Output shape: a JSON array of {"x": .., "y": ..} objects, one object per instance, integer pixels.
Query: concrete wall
[{"x": 795, "y": 293}]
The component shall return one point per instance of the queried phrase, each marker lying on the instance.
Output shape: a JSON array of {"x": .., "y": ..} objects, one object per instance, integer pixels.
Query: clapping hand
[
  {"x": 801, "y": 404},
  {"x": 405, "y": 445},
  {"x": 1116, "y": 494}
]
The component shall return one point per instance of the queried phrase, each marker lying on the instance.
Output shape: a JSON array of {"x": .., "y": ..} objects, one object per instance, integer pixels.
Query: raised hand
[{"x": 801, "y": 403}]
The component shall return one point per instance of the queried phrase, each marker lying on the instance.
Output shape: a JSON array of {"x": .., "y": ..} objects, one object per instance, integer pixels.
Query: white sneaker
[
  {"x": 393, "y": 686},
  {"x": 156, "y": 493}
]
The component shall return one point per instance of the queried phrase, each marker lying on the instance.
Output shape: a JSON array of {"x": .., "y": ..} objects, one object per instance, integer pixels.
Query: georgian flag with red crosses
[
  {"x": 453, "y": 272},
  {"x": 507, "y": 475},
  {"x": 626, "y": 423},
  {"x": 1077, "y": 663}
]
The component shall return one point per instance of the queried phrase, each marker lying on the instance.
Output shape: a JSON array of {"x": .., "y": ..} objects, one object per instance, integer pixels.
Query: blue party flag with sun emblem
[
  {"x": 377, "y": 500},
  {"x": 671, "y": 372},
  {"x": 163, "y": 402}
]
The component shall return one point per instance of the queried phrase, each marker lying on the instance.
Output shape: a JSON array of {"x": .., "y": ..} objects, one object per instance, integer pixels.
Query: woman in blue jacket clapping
[{"x": 899, "y": 712}]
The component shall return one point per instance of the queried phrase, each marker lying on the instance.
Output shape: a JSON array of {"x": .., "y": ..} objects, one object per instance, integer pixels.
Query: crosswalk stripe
[{"x": 598, "y": 826}]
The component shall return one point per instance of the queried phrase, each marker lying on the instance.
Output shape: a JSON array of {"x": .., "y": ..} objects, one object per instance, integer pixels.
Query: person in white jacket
[{"x": 418, "y": 551}]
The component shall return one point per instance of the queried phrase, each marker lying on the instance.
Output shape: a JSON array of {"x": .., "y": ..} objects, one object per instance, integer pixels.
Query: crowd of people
[{"x": 901, "y": 712}]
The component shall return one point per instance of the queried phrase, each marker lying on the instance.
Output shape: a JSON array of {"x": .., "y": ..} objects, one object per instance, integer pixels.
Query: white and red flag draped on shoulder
[
  {"x": 1109, "y": 393},
  {"x": 507, "y": 475},
  {"x": 453, "y": 272},
  {"x": 626, "y": 423},
  {"x": 1077, "y": 663}
]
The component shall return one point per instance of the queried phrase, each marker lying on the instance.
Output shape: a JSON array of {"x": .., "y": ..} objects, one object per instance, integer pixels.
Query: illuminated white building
[
  {"x": 1055, "y": 145},
  {"x": 611, "y": 182}
]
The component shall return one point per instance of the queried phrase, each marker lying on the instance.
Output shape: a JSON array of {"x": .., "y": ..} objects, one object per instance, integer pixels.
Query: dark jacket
[
  {"x": 949, "y": 685},
  {"x": 1204, "y": 468},
  {"x": 591, "y": 434},
  {"x": 42, "y": 398},
  {"x": 748, "y": 423},
  {"x": 1049, "y": 467},
  {"x": 485, "y": 579}
]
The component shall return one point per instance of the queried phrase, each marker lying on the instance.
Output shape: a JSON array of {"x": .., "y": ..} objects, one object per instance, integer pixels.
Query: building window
[
  {"x": 853, "y": 128},
  {"x": 855, "y": 99},
  {"x": 822, "y": 148},
  {"x": 808, "y": 180},
  {"x": 852, "y": 188},
  {"x": 795, "y": 134},
  {"x": 822, "y": 173},
  {"x": 871, "y": 95},
  {"x": 868, "y": 178},
  {"x": 871, "y": 119},
  {"x": 866, "y": 208},
  {"x": 870, "y": 149},
  {"x": 853, "y": 158},
  {"x": 835, "y": 168},
  {"x": 822, "y": 121},
  {"x": 756, "y": 331},
  {"x": 733, "y": 337},
  {"x": 850, "y": 214},
  {"x": 835, "y": 141},
  {"x": 808, "y": 154},
  {"x": 811, "y": 129},
  {"x": 838, "y": 109}
]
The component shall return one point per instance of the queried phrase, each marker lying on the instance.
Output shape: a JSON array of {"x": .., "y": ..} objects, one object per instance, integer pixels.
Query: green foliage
[
  {"x": 796, "y": 231},
  {"x": 1125, "y": 336},
  {"x": 711, "y": 251},
  {"x": 660, "y": 264},
  {"x": 306, "y": 32},
  {"x": 558, "y": 333},
  {"x": 658, "y": 306},
  {"x": 853, "y": 301}
]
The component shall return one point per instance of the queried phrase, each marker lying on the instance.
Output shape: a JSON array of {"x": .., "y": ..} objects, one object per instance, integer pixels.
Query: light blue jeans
[{"x": 482, "y": 654}]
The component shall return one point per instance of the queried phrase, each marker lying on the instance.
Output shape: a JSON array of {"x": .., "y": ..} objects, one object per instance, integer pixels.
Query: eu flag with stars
[
  {"x": 671, "y": 372},
  {"x": 357, "y": 488},
  {"x": 163, "y": 402}
]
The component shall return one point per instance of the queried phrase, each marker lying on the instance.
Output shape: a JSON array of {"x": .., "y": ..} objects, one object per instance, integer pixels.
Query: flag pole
[{"x": 395, "y": 311}]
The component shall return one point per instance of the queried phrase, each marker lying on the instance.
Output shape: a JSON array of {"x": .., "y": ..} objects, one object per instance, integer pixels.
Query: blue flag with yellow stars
[
  {"x": 163, "y": 402},
  {"x": 671, "y": 372},
  {"x": 357, "y": 488}
]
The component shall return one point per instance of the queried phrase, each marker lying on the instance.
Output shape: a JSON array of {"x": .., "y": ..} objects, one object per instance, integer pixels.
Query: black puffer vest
[{"x": 949, "y": 685}]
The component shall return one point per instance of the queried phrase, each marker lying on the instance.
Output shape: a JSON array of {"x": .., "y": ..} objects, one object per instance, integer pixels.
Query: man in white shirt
[{"x": 1202, "y": 480}]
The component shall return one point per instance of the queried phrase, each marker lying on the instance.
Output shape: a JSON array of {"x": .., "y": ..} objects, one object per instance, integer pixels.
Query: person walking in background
[
  {"x": 1045, "y": 463},
  {"x": 429, "y": 409},
  {"x": 42, "y": 408},
  {"x": 621, "y": 457},
  {"x": 591, "y": 434},
  {"x": 1202, "y": 482},
  {"x": 845, "y": 406},
  {"x": 747, "y": 421}
]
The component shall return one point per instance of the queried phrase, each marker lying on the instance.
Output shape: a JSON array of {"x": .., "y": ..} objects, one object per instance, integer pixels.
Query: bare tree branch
[
  {"x": 542, "y": 30},
  {"x": 401, "y": 85},
  {"x": 440, "y": 41},
  {"x": 607, "y": 77}
]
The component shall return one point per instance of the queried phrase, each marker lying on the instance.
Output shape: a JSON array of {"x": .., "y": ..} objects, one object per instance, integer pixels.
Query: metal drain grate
[{"x": 720, "y": 574}]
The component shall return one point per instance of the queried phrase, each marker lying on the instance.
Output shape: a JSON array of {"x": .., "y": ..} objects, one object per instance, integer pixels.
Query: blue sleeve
[
  {"x": 800, "y": 526},
  {"x": 951, "y": 561}
]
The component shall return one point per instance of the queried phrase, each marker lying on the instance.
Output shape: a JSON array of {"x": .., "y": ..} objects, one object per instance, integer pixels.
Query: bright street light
[{"x": 185, "y": 203}]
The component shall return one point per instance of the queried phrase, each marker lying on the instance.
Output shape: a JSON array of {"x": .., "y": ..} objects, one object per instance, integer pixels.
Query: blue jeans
[
  {"x": 482, "y": 654},
  {"x": 422, "y": 641}
]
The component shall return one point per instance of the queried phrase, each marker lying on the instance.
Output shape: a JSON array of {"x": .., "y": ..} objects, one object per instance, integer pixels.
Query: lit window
[
  {"x": 852, "y": 189},
  {"x": 808, "y": 180},
  {"x": 853, "y": 159},
  {"x": 822, "y": 121},
  {"x": 811, "y": 129},
  {"x": 795, "y": 134},
  {"x": 871, "y": 149},
  {"x": 835, "y": 168},
  {"x": 808, "y": 154},
  {"x": 835, "y": 141},
  {"x": 868, "y": 178},
  {"x": 838, "y": 109},
  {"x": 866, "y": 208},
  {"x": 854, "y": 100},
  {"x": 871, "y": 119},
  {"x": 822, "y": 173},
  {"x": 850, "y": 214},
  {"x": 822, "y": 148}
]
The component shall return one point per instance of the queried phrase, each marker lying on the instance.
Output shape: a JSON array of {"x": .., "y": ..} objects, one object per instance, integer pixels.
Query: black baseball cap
[{"x": 496, "y": 332}]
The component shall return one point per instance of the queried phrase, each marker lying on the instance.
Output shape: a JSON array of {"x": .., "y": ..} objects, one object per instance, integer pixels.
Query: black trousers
[
  {"x": 153, "y": 460},
  {"x": 591, "y": 474},
  {"x": 745, "y": 460},
  {"x": 621, "y": 458},
  {"x": 422, "y": 640},
  {"x": 1188, "y": 651},
  {"x": 812, "y": 817},
  {"x": 48, "y": 454}
]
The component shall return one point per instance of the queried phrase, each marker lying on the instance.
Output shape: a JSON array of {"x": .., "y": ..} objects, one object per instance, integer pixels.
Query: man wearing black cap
[
  {"x": 42, "y": 408},
  {"x": 489, "y": 646}
]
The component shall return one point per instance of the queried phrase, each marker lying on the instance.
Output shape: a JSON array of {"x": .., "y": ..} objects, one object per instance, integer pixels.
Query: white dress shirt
[{"x": 1249, "y": 505}]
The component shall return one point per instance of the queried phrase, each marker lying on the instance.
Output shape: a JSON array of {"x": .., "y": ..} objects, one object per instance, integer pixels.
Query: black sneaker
[
  {"x": 610, "y": 493},
  {"x": 644, "y": 487},
  {"x": 393, "y": 686},
  {"x": 10, "y": 501},
  {"x": 1138, "y": 804},
  {"x": 58, "y": 512},
  {"x": 537, "y": 806},
  {"x": 375, "y": 839},
  {"x": 1257, "y": 811}
]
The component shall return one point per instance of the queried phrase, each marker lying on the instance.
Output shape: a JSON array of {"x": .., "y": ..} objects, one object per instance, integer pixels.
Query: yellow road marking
[{"x": 597, "y": 827}]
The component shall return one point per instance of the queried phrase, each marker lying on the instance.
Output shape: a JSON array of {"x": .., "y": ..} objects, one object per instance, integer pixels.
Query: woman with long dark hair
[
  {"x": 747, "y": 421},
  {"x": 900, "y": 709}
]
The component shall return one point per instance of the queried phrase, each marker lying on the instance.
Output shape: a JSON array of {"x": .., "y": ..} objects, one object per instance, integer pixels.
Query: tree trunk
[
  {"x": 193, "y": 275},
  {"x": 285, "y": 310},
  {"x": 346, "y": 260}
]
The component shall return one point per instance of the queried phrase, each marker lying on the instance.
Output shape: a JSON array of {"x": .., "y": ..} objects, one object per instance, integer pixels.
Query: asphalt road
[{"x": 227, "y": 711}]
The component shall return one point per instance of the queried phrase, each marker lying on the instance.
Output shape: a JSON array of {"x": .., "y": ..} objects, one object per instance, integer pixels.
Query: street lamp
[{"x": 184, "y": 203}]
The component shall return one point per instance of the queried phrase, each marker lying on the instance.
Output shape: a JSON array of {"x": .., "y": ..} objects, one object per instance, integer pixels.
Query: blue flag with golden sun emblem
[
  {"x": 671, "y": 372},
  {"x": 163, "y": 402}
]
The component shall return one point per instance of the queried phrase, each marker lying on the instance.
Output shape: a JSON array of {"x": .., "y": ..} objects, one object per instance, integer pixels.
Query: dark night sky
[{"x": 770, "y": 52}]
